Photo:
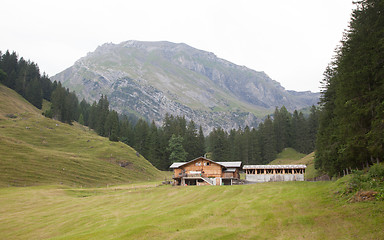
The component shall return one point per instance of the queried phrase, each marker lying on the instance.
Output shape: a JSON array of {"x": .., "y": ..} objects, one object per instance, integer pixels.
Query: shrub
[{"x": 377, "y": 172}]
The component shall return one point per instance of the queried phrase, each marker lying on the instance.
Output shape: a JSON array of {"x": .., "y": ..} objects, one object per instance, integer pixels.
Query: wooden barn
[
  {"x": 274, "y": 173},
  {"x": 203, "y": 171}
]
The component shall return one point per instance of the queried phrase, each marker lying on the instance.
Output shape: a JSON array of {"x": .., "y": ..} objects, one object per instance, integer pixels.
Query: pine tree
[
  {"x": 190, "y": 143},
  {"x": 141, "y": 131},
  {"x": 201, "y": 143},
  {"x": 350, "y": 135},
  {"x": 3, "y": 76},
  {"x": 102, "y": 113},
  {"x": 111, "y": 126},
  {"x": 175, "y": 147},
  {"x": 218, "y": 145},
  {"x": 282, "y": 128},
  {"x": 268, "y": 140}
]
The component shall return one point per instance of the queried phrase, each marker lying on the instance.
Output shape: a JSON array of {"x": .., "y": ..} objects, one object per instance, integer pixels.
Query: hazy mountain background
[{"x": 150, "y": 79}]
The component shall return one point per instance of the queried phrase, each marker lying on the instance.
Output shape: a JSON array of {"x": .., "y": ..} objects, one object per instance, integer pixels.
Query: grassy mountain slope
[
  {"x": 36, "y": 150},
  {"x": 291, "y": 156},
  {"x": 284, "y": 210}
]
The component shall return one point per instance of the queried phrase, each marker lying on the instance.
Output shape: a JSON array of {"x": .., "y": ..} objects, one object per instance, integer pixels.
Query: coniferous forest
[
  {"x": 177, "y": 139},
  {"x": 351, "y": 131}
]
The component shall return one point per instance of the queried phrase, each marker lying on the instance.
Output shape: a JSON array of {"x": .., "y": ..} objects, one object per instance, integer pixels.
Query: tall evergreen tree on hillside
[
  {"x": 282, "y": 128},
  {"x": 312, "y": 127},
  {"x": 175, "y": 147},
  {"x": 201, "y": 143},
  {"x": 268, "y": 140},
  {"x": 218, "y": 145},
  {"x": 101, "y": 116},
  {"x": 154, "y": 153},
  {"x": 350, "y": 122},
  {"x": 34, "y": 93},
  {"x": 190, "y": 142},
  {"x": 3, "y": 76},
  {"x": 141, "y": 131},
  {"x": 111, "y": 126}
]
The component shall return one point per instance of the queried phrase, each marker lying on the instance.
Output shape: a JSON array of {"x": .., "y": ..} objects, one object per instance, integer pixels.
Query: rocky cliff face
[{"x": 153, "y": 78}]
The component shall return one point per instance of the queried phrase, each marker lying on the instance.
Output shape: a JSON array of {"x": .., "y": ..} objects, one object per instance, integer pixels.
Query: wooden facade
[
  {"x": 202, "y": 171},
  {"x": 274, "y": 173}
]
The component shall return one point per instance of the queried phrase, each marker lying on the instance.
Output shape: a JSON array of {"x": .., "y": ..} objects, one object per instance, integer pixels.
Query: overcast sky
[{"x": 291, "y": 41}]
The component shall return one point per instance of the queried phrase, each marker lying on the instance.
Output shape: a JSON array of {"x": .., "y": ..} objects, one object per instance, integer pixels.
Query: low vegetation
[
  {"x": 363, "y": 185},
  {"x": 285, "y": 210},
  {"x": 36, "y": 150}
]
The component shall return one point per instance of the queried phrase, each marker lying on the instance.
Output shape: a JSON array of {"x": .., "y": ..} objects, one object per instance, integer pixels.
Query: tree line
[
  {"x": 157, "y": 144},
  {"x": 177, "y": 139},
  {"x": 351, "y": 130},
  {"x": 261, "y": 145},
  {"x": 24, "y": 77}
]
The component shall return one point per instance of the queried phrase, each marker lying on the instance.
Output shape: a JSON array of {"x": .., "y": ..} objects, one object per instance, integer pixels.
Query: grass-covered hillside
[
  {"x": 291, "y": 156},
  {"x": 35, "y": 150}
]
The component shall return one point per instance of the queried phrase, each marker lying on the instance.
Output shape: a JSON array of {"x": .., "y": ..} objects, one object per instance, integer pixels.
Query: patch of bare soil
[{"x": 361, "y": 196}]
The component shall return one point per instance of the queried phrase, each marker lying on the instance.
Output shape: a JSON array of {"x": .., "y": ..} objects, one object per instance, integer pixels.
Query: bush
[
  {"x": 377, "y": 172},
  {"x": 373, "y": 180}
]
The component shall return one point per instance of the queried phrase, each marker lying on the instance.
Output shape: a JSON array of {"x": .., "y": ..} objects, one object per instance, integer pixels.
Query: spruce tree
[
  {"x": 350, "y": 132},
  {"x": 175, "y": 147}
]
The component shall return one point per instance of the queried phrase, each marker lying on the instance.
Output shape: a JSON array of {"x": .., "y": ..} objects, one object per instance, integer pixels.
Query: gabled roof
[
  {"x": 224, "y": 164},
  {"x": 274, "y": 166},
  {"x": 179, "y": 164}
]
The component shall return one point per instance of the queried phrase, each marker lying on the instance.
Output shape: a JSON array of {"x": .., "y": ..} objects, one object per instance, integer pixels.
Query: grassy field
[
  {"x": 70, "y": 175},
  {"x": 290, "y": 210},
  {"x": 38, "y": 151}
]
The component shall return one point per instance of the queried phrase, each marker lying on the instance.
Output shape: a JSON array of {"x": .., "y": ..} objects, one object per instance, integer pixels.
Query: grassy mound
[
  {"x": 362, "y": 185},
  {"x": 36, "y": 150}
]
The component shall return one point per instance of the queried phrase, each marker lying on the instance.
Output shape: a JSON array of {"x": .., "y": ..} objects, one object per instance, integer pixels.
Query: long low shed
[{"x": 274, "y": 173}]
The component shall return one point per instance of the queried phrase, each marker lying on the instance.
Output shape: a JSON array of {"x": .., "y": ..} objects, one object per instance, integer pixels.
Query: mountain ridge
[{"x": 155, "y": 78}]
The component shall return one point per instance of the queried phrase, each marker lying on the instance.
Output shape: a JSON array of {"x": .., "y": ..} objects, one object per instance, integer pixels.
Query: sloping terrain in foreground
[
  {"x": 35, "y": 150},
  {"x": 279, "y": 210}
]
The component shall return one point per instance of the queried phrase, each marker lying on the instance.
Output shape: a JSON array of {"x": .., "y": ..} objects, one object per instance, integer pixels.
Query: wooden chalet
[
  {"x": 274, "y": 173},
  {"x": 203, "y": 171}
]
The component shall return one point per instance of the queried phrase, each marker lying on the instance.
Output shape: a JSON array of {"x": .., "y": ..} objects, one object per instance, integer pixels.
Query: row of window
[{"x": 274, "y": 171}]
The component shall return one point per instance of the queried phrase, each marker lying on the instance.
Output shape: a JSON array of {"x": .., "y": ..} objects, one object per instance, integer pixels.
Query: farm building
[
  {"x": 274, "y": 173},
  {"x": 203, "y": 171}
]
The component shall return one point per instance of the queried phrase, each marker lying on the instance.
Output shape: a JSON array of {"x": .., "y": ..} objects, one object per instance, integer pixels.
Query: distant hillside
[
  {"x": 151, "y": 79},
  {"x": 291, "y": 156},
  {"x": 36, "y": 150}
]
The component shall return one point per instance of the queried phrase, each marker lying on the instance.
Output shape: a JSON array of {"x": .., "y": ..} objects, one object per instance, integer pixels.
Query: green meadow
[
  {"x": 36, "y": 150},
  {"x": 290, "y": 210},
  {"x": 61, "y": 181}
]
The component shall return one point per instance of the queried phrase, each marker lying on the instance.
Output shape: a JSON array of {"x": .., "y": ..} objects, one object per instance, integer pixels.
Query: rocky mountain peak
[{"x": 153, "y": 78}]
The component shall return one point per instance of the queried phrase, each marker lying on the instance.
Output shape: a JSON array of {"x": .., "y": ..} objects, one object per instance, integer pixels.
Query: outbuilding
[{"x": 274, "y": 173}]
